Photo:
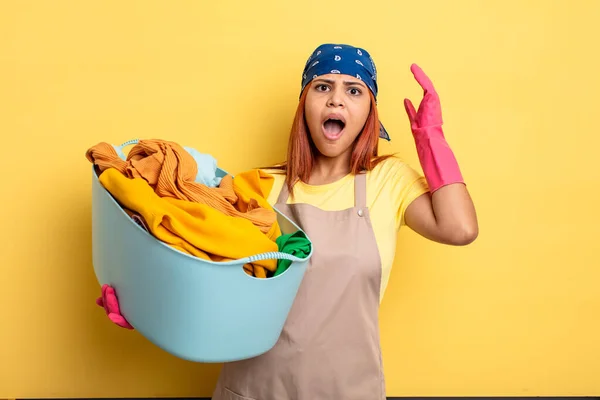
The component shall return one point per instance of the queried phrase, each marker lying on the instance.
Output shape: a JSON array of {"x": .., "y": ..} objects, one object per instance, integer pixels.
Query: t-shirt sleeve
[{"x": 407, "y": 185}]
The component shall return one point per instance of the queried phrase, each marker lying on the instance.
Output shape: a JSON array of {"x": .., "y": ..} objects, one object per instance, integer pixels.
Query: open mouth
[{"x": 333, "y": 127}]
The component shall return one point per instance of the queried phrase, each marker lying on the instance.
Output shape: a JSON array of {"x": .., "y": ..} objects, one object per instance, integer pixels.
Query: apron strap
[
  {"x": 360, "y": 190},
  {"x": 283, "y": 194}
]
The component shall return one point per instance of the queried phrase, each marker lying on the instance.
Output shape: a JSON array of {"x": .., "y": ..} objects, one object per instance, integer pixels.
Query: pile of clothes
[{"x": 175, "y": 194}]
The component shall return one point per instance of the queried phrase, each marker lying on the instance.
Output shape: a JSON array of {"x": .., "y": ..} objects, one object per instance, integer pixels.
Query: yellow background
[{"x": 516, "y": 313}]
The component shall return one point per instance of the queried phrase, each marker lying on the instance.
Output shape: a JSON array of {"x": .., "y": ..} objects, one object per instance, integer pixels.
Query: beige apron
[{"x": 329, "y": 347}]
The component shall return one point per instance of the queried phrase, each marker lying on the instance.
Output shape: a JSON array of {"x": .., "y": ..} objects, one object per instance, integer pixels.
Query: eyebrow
[{"x": 347, "y": 83}]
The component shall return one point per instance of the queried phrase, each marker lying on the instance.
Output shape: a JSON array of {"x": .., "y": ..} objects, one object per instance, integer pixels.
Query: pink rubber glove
[
  {"x": 437, "y": 159},
  {"x": 109, "y": 301}
]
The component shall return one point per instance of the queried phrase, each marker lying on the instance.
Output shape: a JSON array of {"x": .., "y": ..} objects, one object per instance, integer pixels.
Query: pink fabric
[
  {"x": 437, "y": 159},
  {"x": 109, "y": 301}
]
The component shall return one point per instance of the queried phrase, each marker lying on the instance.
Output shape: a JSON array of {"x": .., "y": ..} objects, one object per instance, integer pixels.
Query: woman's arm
[{"x": 446, "y": 214}]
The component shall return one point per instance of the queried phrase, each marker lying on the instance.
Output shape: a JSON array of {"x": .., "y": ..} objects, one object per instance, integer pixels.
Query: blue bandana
[{"x": 343, "y": 59}]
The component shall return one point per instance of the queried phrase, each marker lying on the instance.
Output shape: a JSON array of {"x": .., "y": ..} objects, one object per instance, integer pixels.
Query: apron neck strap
[
  {"x": 283, "y": 194},
  {"x": 360, "y": 190}
]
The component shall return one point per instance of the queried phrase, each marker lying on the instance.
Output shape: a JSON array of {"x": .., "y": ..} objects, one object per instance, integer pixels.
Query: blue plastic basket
[{"x": 194, "y": 309}]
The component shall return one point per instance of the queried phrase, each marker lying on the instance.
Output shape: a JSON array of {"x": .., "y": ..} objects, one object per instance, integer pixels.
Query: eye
[
  {"x": 321, "y": 87},
  {"x": 355, "y": 91}
]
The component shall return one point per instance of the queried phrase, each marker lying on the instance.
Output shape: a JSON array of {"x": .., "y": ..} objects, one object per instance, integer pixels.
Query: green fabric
[{"x": 296, "y": 244}]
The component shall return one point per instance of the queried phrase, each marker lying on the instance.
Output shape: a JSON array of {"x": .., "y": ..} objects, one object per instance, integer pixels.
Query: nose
[{"x": 336, "y": 98}]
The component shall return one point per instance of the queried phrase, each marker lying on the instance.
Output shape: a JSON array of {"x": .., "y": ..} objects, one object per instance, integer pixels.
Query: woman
[{"x": 351, "y": 203}]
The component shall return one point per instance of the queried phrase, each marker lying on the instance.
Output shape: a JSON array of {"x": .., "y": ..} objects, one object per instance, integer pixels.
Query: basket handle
[
  {"x": 272, "y": 255},
  {"x": 127, "y": 143}
]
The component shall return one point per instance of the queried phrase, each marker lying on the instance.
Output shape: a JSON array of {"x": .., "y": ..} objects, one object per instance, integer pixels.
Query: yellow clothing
[
  {"x": 391, "y": 186},
  {"x": 194, "y": 228},
  {"x": 171, "y": 171},
  {"x": 251, "y": 189}
]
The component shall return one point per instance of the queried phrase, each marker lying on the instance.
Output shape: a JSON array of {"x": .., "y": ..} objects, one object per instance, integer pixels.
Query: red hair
[{"x": 302, "y": 150}]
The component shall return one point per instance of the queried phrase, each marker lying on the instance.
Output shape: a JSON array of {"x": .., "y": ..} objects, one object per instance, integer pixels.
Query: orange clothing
[
  {"x": 171, "y": 171},
  {"x": 194, "y": 228}
]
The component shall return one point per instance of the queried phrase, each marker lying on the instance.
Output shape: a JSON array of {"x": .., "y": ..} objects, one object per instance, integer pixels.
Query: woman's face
[{"x": 336, "y": 109}]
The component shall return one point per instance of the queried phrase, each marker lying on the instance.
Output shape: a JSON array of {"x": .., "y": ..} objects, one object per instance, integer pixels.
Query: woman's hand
[
  {"x": 446, "y": 214},
  {"x": 109, "y": 302}
]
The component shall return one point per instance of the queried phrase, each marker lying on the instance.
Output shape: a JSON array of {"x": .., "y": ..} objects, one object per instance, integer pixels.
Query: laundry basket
[{"x": 194, "y": 309}]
